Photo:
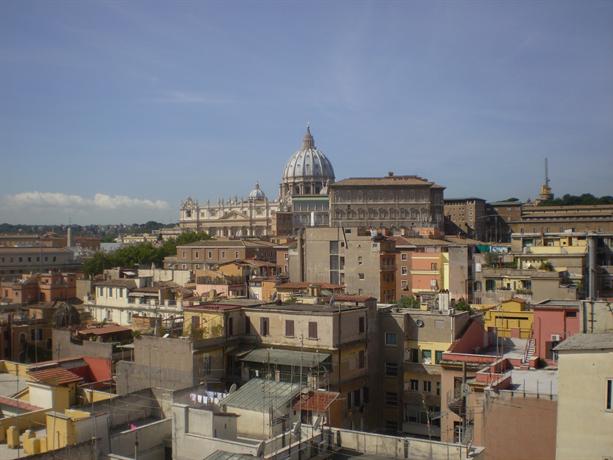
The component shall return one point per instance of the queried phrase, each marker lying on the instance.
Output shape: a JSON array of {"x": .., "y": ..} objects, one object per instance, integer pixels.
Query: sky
[{"x": 116, "y": 111}]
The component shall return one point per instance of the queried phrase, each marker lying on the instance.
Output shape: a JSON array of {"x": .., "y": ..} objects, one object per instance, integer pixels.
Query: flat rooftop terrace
[{"x": 536, "y": 381}]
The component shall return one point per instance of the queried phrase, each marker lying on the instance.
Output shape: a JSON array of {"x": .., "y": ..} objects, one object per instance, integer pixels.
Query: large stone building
[
  {"x": 305, "y": 178},
  {"x": 393, "y": 202},
  {"x": 465, "y": 216}
]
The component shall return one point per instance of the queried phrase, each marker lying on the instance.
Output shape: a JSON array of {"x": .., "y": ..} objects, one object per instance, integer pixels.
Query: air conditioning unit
[{"x": 555, "y": 337}]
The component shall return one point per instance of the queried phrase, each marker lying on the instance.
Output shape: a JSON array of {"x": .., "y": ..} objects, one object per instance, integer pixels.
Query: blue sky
[{"x": 116, "y": 111}]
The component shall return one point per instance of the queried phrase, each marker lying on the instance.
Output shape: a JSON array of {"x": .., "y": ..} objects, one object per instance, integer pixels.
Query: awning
[{"x": 285, "y": 357}]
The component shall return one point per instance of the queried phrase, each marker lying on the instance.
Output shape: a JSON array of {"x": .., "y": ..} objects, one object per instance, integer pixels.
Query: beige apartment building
[
  {"x": 209, "y": 253},
  {"x": 363, "y": 261},
  {"x": 585, "y": 397},
  {"x": 330, "y": 346}
]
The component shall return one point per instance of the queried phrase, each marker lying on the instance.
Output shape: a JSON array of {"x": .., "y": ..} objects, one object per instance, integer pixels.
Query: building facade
[
  {"x": 465, "y": 216},
  {"x": 393, "y": 202},
  {"x": 364, "y": 262}
]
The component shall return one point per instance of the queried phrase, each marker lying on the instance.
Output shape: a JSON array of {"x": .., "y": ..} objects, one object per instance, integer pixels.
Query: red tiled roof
[
  {"x": 318, "y": 401},
  {"x": 18, "y": 404},
  {"x": 55, "y": 376}
]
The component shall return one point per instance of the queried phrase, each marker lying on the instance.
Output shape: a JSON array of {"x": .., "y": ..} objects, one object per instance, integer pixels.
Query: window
[
  {"x": 223, "y": 254},
  {"x": 312, "y": 330},
  {"x": 414, "y": 355},
  {"x": 247, "y": 325},
  {"x": 196, "y": 254},
  {"x": 289, "y": 328},
  {"x": 357, "y": 397},
  {"x": 571, "y": 314},
  {"x": 426, "y": 356},
  {"x": 414, "y": 385},
  {"x": 120, "y": 292},
  {"x": 264, "y": 326},
  {"x": 391, "y": 369},
  {"x": 361, "y": 324},
  {"x": 404, "y": 271},
  {"x": 438, "y": 357},
  {"x": 438, "y": 388},
  {"x": 427, "y": 386},
  {"x": 236, "y": 255},
  {"x": 110, "y": 292},
  {"x": 361, "y": 359},
  {"x": 359, "y": 260},
  {"x": 230, "y": 326},
  {"x": 391, "y": 339},
  {"x": 391, "y": 398},
  {"x": 333, "y": 247},
  {"x": 403, "y": 256},
  {"x": 433, "y": 266},
  {"x": 609, "y": 405},
  {"x": 365, "y": 394},
  {"x": 361, "y": 276},
  {"x": 404, "y": 284}
]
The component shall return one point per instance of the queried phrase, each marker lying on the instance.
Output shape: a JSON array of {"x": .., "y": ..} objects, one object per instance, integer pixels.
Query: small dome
[
  {"x": 257, "y": 193},
  {"x": 308, "y": 163}
]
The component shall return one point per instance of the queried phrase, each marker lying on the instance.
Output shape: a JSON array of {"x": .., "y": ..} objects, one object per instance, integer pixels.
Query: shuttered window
[{"x": 312, "y": 330}]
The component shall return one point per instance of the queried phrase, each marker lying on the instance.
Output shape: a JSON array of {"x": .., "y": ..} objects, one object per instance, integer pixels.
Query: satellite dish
[
  {"x": 232, "y": 388},
  {"x": 419, "y": 323}
]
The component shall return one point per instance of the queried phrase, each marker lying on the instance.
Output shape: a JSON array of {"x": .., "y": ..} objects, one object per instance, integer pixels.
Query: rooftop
[
  {"x": 17, "y": 404},
  {"x": 556, "y": 304},
  {"x": 284, "y": 357},
  {"x": 11, "y": 384},
  {"x": 586, "y": 342},
  {"x": 308, "y": 308},
  {"x": 259, "y": 395},
  {"x": 404, "y": 241},
  {"x": 229, "y": 244},
  {"x": 55, "y": 376},
  {"x": 104, "y": 330},
  {"x": 385, "y": 180},
  {"x": 536, "y": 381},
  {"x": 316, "y": 401},
  {"x": 117, "y": 283}
]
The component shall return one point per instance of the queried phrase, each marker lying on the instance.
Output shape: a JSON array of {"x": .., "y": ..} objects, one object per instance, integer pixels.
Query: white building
[{"x": 118, "y": 300}]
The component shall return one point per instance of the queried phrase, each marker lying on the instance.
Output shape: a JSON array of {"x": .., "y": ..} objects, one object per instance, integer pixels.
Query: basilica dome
[
  {"x": 307, "y": 171},
  {"x": 257, "y": 194}
]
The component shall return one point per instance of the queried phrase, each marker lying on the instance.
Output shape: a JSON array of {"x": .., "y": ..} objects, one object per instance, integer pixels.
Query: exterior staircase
[{"x": 529, "y": 352}]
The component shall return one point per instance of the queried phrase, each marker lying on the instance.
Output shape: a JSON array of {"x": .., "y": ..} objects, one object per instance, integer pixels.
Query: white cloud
[{"x": 63, "y": 200}]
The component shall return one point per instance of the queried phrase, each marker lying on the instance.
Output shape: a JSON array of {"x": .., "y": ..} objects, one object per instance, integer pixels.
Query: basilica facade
[{"x": 306, "y": 177}]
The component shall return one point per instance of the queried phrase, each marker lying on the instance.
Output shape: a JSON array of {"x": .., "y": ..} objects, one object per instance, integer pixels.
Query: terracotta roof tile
[{"x": 55, "y": 376}]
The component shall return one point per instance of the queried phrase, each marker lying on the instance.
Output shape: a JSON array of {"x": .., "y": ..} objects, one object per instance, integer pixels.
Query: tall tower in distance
[{"x": 545, "y": 193}]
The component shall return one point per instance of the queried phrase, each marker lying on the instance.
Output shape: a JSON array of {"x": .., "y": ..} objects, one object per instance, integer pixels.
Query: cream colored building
[{"x": 585, "y": 398}]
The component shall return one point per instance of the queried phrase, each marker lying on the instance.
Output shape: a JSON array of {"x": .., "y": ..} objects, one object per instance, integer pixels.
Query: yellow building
[{"x": 511, "y": 318}]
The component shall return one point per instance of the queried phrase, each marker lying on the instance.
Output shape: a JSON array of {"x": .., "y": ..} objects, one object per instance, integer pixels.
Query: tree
[
  {"x": 408, "y": 302},
  {"x": 139, "y": 254},
  {"x": 462, "y": 305}
]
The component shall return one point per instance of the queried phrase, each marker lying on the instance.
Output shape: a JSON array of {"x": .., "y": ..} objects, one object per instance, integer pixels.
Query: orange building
[{"x": 42, "y": 287}]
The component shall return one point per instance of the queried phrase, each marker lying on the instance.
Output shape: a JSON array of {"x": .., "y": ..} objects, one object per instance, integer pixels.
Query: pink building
[{"x": 554, "y": 321}]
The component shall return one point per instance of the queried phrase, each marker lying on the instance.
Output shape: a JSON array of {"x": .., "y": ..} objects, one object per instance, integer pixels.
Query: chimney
[{"x": 69, "y": 237}]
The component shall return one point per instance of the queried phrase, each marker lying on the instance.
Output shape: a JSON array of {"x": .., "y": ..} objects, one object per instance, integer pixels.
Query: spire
[
  {"x": 308, "y": 142},
  {"x": 546, "y": 173}
]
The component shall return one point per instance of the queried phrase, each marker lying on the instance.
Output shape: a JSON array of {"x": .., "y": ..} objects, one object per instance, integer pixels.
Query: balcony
[{"x": 455, "y": 402}]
